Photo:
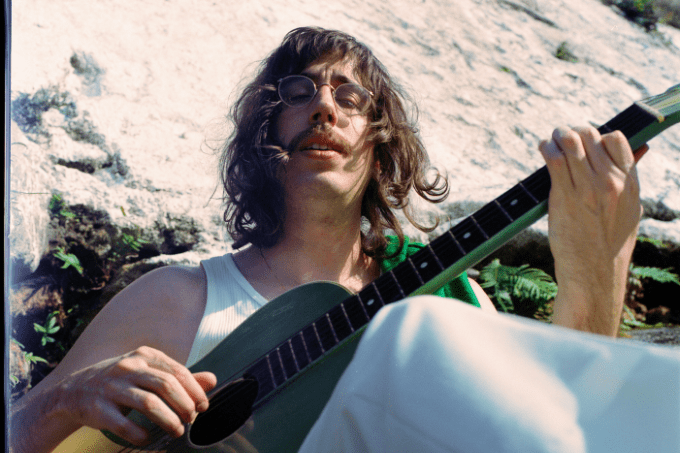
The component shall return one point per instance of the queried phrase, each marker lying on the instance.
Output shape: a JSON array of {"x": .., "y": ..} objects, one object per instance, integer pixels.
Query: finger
[
  {"x": 160, "y": 361},
  {"x": 169, "y": 388},
  {"x": 571, "y": 145},
  {"x": 110, "y": 418},
  {"x": 207, "y": 381},
  {"x": 154, "y": 408},
  {"x": 556, "y": 163},
  {"x": 596, "y": 152},
  {"x": 619, "y": 150},
  {"x": 641, "y": 151}
]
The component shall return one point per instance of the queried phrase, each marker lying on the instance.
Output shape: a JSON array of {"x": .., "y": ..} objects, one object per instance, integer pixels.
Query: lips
[
  {"x": 317, "y": 141},
  {"x": 321, "y": 144}
]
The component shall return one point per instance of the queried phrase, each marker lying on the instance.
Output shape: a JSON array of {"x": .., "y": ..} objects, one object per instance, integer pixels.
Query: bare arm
[
  {"x": 594, "y": 212},
  {"x": 117, "y": 364}
]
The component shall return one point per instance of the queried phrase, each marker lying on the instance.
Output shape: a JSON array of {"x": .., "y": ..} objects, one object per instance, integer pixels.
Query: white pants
[{"x": 435, "y": 375}]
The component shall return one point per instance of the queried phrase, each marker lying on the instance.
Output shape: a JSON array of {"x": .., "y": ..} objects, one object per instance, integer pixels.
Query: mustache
[{"x": 319, "y": 133}]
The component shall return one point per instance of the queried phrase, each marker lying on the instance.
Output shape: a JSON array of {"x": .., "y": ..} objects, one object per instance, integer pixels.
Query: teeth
[{"x": 320, "y": 147}]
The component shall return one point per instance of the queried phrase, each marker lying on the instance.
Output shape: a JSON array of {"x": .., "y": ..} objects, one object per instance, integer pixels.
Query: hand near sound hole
[{"x": 145, "y": 380}]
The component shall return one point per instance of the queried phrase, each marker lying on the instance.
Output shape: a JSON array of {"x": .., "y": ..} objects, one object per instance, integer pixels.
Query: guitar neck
[
  {"x": 527, "y": 201},
  {"x": 450, "y": 254}
]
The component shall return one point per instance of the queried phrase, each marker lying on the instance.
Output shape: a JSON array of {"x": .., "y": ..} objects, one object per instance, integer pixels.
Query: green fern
[
  {"x": 69, "y": 259},
  {"x": 654, "y": 273},
  {"x": 522, "y": 290}
]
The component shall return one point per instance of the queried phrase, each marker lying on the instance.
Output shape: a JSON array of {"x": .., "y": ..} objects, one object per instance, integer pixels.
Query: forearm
[
  {"x": 593, "y": 302},
  {"x": 37, "y": 424}
]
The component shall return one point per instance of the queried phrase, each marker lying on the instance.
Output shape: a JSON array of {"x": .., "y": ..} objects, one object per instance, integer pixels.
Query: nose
[{"x": 323, "y": 106}]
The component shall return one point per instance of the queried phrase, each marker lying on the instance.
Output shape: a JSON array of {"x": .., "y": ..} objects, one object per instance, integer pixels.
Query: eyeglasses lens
[{"x": 298, "y": 91}]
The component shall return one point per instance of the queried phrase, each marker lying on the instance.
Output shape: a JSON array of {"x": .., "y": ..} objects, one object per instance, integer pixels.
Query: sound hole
[{"x": 229, "y": 410}]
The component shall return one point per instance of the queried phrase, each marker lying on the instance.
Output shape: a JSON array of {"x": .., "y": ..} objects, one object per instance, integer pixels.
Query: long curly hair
[{"x": 251, "y": 156}]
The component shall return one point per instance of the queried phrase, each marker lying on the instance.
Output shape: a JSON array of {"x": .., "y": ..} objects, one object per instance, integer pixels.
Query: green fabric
[{"x": 458, "y": 288}]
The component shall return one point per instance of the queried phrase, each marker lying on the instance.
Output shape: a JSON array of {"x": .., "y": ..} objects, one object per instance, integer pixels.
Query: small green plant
[
  {"x": 655, "y": 242},
  {"x": 133, "y": 243},
  {"x": 521, "y": 290},
  {"x": 48, "y": 329},
  {"x": 29, "y": 357},
  {"x": 69, "y": 259},
  {"x": 654, "y": 273},
  {"x": 58, "y": 207},
  {"x": 564, "y": 53}
]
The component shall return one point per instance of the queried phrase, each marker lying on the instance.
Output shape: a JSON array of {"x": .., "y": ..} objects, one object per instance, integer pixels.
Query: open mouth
[{"x": 320, "y": 143}]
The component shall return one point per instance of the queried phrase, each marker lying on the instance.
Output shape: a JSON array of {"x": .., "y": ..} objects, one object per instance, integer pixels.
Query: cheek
[{"x": 284, "y": 128}]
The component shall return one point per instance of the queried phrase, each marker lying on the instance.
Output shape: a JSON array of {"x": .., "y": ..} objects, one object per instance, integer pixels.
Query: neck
[{"x": 318, "y": 244}]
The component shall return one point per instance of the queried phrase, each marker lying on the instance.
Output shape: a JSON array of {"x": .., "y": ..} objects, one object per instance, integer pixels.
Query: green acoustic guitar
[{"x": 279, "y": 367}]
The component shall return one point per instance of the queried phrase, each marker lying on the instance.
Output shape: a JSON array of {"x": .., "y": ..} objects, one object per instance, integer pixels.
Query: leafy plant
[
  {"x": 48, "y": 329},
  {"x": 132, "y": 242},
  {"x": 654, "y": 273},
  {"x": 522, "y": 290},
  {"x": 58, "y": 207},
  {"x": 564, "y": 53},
  {"x": 655, "y": 242},
  {"x": 69, "y": 259}
]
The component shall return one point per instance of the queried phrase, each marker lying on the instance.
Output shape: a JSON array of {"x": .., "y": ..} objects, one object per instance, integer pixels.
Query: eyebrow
[{"x": 336, "y": 77}]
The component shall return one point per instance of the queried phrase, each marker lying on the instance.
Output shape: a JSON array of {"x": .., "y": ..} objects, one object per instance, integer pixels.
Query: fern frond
[{"x": 655, "y": 273}]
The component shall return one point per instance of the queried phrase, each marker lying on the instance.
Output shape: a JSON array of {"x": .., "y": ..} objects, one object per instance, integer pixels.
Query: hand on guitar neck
[{"x": 594, "y": 212}]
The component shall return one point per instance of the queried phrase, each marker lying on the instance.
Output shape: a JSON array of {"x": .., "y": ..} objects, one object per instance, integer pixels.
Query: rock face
[{"x": 117, "y": 110}]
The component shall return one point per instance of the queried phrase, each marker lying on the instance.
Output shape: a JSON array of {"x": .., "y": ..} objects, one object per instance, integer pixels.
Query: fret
[
  {"x": 339, "y": 323},
  {"x": 427, "y": 264},
  {"x": 290, "y": 366},
  {"x": 313, "y": 344},
  {"x": 469, "y": 235},
  {"x": 300, "y": 352},
  {"x": 538, "y": 184},
  {"x": 491, "y": 219},
  {"x": 406, "y": 275},
  {"x": 283, "y": 368},
  {"x": 318, "y": 337},
  {"x": 446, "y": 250},
  {"x": 479, "y": 227},
  {"x": 344, "y": 312},
  {"x": 388, "y": 288},
  {"x": 276, "y": 369},
  {"x": 455, "y": 241},
  {"x": 262, "y": 374},
  {"x": 415, "y": 271},
  {"x": 371, "y": 300},
  {"x": 332, "y": 329},
  {"x": 326, "y": 334},
  {"x": 505, "y": 213},
  {"x": 516, "y": 202},
  {"x": 356, "y": 312},
  {"x": 402, "y": 293},
  {"x": 528, "y": 192}
]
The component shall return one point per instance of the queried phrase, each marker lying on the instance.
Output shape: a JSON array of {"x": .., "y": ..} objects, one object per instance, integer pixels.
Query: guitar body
[{"x": 280, "y": 422}]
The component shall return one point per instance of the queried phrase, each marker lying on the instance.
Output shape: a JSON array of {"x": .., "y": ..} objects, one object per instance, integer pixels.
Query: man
[{"x": 321, "y": 141}]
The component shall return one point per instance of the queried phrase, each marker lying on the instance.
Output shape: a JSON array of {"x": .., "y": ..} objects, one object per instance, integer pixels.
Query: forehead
[{"x": 338, "y": 71}]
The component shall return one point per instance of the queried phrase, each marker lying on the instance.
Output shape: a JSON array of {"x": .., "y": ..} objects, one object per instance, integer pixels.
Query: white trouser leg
[{"x": 433, "y": 375}]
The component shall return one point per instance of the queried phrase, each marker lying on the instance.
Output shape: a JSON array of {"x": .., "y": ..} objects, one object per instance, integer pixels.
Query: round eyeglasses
[{"x": 299, "y": 90}]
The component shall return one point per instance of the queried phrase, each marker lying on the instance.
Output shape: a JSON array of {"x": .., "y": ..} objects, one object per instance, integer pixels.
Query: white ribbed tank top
[{"x": 230, "y": 300}]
